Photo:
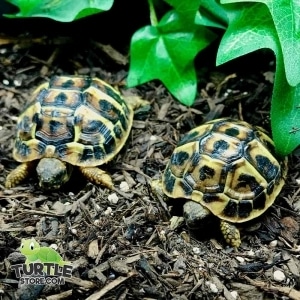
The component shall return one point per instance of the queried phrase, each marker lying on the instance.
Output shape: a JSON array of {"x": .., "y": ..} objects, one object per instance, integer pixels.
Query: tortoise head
[{"x": 52, "y": 173}]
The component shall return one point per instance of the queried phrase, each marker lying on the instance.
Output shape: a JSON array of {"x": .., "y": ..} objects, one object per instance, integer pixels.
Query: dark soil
[{"x": 124, "y": 248}]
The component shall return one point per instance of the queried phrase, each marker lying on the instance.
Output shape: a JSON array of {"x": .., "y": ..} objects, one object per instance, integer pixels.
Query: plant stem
[{"x": 153, "y": 17}]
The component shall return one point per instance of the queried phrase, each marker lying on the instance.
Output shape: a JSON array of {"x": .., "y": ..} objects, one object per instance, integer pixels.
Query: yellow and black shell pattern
[
  {"x": 80, "y": 120},
  {"x": 228, "y": 166}
]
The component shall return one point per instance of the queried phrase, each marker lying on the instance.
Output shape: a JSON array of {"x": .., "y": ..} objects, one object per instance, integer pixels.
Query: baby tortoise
[
  {"x": 228, "y": 168},
  {"x": 71, "y": 121}
]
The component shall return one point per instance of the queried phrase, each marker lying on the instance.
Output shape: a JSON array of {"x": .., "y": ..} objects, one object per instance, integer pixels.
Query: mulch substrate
[{"x": 121, "y": 245}]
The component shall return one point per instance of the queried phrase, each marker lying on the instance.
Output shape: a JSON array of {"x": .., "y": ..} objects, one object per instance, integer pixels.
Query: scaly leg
[
  {"x": 17, "y": 175},
  {"x": 230, "y": 233},
  {"x": 97, "y": 176}
]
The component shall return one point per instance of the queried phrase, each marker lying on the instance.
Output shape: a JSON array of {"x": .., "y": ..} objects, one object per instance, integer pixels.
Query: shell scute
[
  {"x": 222, "y": 147},
  {"x": 179, "y": 158},
  {"x": 209, "y": 178},
  {"x": 263, "y": 159},
  {"x": 61, "y": 99},
  {"x": 244, "y": 182},
  {"x": 236, "y": 129},
  {"x": 169, "y": 181},
  {"x": 244, "y": 208},
  {"x": 266, "y": 167},
  {"x": 70, "y": 83},
  {"x": 118, "y": 131},
  {"x": 194, "y": 135},
  {"x": 110, "y": 111},
  {"x": 53, "y": 131},
  {"x": 260, "y": 201},
  {"x": 231, "y": 209}
]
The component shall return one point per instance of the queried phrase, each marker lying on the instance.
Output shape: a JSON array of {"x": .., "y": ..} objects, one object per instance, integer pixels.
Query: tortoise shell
[
  {"x": 80, "y": 120},
  {"x": 228, "y": 166}
]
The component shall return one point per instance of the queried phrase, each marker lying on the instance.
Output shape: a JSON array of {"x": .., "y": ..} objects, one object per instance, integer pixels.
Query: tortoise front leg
[
  {"x": 97, "y": 176},
  {"x": 17, "y": 175},
  {"x": 230, "y": 233}
]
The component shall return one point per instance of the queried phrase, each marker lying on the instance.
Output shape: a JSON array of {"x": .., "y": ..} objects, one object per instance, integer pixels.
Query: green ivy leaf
[
  {"x": 212, "y": 13},
  {"x": 187, "y": 8},
  {"x": 285, "y": 111},
  {"x": 60, "y": 10},
  {"x": 166, "y": 52},
  {"x": 286, "y": 17},
  {"x": 251, "y": 28}
]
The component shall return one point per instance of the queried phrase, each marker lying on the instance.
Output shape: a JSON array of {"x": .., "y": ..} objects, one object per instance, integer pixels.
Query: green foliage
[
  {"x": 273, "y": 25},
  {"x": 285, "y": 112},
  {"x": 166, "y": 52},
  {"x": 60, "y": 10},
  {"x": 166, "y": 48},
  {"x": 285, "y": 18},
  {"x": 212, "y": 14}
]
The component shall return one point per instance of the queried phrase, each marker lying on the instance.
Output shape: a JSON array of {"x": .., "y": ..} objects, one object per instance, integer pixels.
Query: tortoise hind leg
[
  {"x": 230, "y": 233},
  {"x": 17, "y": 175},
  {"x": 97, "y": 176}
]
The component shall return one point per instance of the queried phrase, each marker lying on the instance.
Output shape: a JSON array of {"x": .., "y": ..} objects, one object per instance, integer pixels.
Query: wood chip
[
  {"x": 93, "y": 249},
  {"x": 110, "y": 286}
]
